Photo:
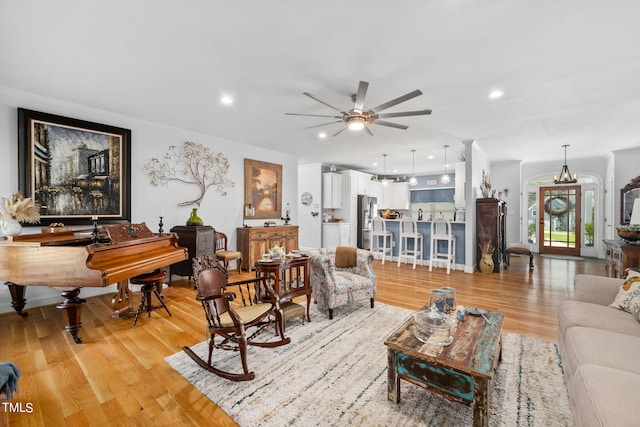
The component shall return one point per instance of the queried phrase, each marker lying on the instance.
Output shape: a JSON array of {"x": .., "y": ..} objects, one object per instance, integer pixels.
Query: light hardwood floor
[{"x": 119, "y": 377}]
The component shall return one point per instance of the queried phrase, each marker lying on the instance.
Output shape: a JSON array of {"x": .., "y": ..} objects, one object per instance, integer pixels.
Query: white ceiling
[{"x": 570, "y": 70}]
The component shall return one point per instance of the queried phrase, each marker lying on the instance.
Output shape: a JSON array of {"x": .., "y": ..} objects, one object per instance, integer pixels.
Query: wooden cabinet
[
  {"x": 620, "y": 256},
  {"x": 395, "y": 196},
  {"x": 199, "y": 240},
  {"x": 255, "y": 241},
  {"x": 331, "y": 190},
  {"x": 491, "y": 216}
]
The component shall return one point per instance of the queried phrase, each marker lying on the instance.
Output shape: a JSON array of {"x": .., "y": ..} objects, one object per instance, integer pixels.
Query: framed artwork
[
  {"x": 74, "y": 169},
  {"x": 262, "y": 189}
]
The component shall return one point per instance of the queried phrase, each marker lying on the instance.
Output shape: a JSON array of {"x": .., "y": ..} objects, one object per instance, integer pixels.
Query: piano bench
[{"x": 151, "y": 285}]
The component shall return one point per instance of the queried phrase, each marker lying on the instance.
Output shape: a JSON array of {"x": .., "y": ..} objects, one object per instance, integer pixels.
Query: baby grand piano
[{"x": 69, "y": 261}]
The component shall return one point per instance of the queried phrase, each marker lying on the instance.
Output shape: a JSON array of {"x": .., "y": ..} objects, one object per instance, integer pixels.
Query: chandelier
[{"x": 565, "y": 176}]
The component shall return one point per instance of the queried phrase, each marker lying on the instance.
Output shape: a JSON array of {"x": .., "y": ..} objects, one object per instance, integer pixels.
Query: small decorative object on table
[
  {"x": 433, "y": 327},
  {"x": 194, "y": 219},
  {"x": 630, "y": 234},
  {"x": 160, "y": 230},
  {"x": 15, "y": 210},
  {"x": 485, "y": 185}
]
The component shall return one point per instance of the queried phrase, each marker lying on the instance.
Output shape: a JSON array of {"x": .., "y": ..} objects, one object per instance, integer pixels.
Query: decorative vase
[
  {"x": 194, "y": 219},
  {"x": 486, "y": 263},
  {"x": 10, "y": 227}
]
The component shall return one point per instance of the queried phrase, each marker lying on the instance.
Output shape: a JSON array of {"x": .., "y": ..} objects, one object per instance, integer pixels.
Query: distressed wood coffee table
[{"x": 462, "y": 372}]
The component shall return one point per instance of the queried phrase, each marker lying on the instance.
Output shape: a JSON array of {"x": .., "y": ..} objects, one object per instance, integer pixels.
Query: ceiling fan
[{"x": 358, "y": 118}]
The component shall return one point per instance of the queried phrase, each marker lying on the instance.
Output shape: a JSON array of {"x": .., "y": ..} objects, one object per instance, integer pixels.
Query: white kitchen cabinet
[
  {"x": 459, "y": 197},
  {"x": 400, "y": 195},
  {"x": 395, "y": 195},
  {"x": 336, "y": 234},
  {"x": 331, "y": 190},
  {"x": 364, "y": 184}
]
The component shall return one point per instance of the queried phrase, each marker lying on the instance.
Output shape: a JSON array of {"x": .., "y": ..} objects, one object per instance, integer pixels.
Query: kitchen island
[{"x": 424, "y": 227}]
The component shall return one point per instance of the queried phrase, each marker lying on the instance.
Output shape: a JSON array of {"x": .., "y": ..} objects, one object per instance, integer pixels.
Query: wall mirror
[{"x": 628, "y": 194}]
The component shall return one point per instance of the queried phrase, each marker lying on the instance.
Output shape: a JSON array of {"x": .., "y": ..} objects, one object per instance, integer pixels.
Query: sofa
[
  {"x": 599, "y": 346},
  {"x": 335, "y": 285}
]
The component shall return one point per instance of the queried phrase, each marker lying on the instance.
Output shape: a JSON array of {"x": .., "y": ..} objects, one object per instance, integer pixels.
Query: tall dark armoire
[
  {"x": 491, "y": 219},
  {"x": 199, "y": 240}
]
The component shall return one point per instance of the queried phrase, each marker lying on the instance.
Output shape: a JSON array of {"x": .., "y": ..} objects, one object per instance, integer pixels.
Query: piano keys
[{"x": 68, "y": 261}]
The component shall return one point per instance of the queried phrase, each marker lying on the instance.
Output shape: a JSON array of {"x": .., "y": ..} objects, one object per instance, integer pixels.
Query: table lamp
[{"x": 635, "y": 213}]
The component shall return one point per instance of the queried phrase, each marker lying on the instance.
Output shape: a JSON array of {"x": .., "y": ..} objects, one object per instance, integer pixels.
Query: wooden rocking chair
[{"x": 231, "y": 321}]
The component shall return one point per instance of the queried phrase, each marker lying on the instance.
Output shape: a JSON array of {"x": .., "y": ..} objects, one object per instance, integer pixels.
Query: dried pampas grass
[{"x": 22, "y": 209}]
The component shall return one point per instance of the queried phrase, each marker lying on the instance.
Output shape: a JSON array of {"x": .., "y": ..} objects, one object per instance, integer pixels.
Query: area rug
[
  {"x": 334, "y": 373},
  {"x": 563, "y": 257}
]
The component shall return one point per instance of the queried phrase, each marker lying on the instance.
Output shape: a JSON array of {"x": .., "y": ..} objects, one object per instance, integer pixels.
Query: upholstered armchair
[{"x": 335, "y": 285}]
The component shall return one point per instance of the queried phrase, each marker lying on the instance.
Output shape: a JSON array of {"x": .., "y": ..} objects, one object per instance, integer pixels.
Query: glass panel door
[{"x": 559, "y": 220}]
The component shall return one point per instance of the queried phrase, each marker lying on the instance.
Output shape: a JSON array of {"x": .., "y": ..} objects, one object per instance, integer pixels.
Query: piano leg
[
  {"x": 17, "y": 298},
  {"x": 72, "y": 307},
  {"x": 121, "y": 302}
]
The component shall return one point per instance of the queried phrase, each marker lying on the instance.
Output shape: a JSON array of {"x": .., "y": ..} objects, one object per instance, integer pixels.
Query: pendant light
[
  {"x": 445, "y": 179},
  {"x": 385, "y": 183},
  {"x": 413, "y": 181},
  {"x": 565, "y": 176}
]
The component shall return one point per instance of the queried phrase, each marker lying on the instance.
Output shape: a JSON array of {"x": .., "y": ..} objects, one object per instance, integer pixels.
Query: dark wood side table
[
  {"x": 289, "y": 278},
  {"x": 620, "y": 256},
  {"x": 199, "y": 240}
]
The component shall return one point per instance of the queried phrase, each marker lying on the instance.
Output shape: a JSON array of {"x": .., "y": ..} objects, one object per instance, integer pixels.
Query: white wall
[
  {"x": 147, "y": 202},
  {"x": 506, "y": 175},
  {"x": 310, "y": 180}
]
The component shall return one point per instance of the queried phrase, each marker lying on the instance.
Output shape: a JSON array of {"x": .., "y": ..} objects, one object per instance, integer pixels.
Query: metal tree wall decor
[{"x": 191, "y": 164}]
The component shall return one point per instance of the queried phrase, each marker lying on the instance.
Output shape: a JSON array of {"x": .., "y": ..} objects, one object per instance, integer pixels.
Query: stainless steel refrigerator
[{"x": 367, "y": 209}]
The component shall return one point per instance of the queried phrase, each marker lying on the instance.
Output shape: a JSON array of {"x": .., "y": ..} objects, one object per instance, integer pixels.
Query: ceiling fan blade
[
  {"x": 402, "y": 114},
  {"x": 366, "y": 129},
  {"x": 397, "y": 101},
  {"x": 358, "y": 105},
  {"x": 391, "y": 125},
  {"x": 313, "y": 115},
  {"x": 315, "y": 98},
  {"x": 323, "y": 124},
  {"x": 343, "y": 128}
]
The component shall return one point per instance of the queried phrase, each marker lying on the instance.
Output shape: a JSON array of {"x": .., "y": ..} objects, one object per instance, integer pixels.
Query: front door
[{"x": 559, "y": 227}]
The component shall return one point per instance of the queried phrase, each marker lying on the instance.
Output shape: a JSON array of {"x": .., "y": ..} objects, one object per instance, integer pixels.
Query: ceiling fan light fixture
[{"x": 356, "y": 122}]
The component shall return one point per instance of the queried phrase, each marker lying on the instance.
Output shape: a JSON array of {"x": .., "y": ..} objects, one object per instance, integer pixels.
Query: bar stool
[
  {"x": 441, "y": 231},
  {"x": 151, "y": 284},
  {"x": 379, "y": 231},
  {"x": 409, "y": 231}
]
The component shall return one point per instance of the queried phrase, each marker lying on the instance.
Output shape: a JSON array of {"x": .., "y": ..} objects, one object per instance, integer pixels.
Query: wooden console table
[
  {"x": 289, "y": 278},
  {"x": 255, "y": 241},
  {"x": 620, "y": 256}
]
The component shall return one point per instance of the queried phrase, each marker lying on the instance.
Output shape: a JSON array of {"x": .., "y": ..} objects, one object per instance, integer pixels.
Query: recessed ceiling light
[
  {"x": 496, "y": 93},
  {"x": 375, "y": 164},
  {"x": 430, "y": 157},
  {"x": 322, "y": 135},
  {"x": 226, "y": 100}
]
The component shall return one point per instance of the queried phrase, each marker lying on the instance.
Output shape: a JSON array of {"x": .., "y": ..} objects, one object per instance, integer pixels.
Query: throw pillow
[
  {"x": 629, "y": 290},
  {"x": 635, "y": 308}
]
